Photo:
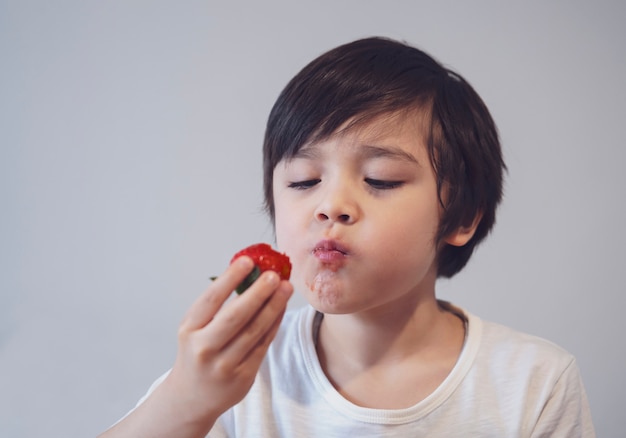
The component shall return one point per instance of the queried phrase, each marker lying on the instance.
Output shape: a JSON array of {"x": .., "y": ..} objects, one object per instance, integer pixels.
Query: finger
[
  {"x": 259, "y": 350},
  {"x": 238, "y": 313},
  {"x": 203, "y": 310},
  {"x": 252, "y": 341}
]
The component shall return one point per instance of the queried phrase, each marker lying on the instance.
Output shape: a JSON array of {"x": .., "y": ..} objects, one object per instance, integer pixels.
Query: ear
[{"x": 463, "y": 234}]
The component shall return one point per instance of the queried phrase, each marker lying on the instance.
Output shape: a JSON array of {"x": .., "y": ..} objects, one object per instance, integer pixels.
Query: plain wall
[{"x": 130, "y": 171}]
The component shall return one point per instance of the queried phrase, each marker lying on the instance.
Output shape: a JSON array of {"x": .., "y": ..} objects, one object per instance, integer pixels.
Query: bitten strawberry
[{"x": 265, "y": 259}]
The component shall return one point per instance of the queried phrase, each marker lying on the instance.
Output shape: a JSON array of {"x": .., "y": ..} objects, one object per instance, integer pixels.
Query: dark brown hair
[{"x": 359, "y": 81}]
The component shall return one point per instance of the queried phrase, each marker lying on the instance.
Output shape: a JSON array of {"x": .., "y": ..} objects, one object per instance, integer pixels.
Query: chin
[
  {"x": 328, "y": 301},
  {"x": 329, "y": 291}
]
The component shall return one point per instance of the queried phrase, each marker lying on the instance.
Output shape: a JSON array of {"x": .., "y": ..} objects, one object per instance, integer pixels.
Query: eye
[
  {"x": 379, "y": 184},
  {"x": 303, "y": 185}
]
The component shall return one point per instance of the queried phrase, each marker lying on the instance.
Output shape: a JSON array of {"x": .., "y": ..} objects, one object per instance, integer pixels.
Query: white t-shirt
[{"x": 504, "y": 384}]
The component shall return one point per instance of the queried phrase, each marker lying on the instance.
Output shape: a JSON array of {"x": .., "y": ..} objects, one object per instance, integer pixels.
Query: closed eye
[
  {"x": 303, "y": 185},
  {"x": 379, "y": 184}
]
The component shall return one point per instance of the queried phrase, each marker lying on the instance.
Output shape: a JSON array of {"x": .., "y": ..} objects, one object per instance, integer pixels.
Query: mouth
[{"x": 329, "y": 251}]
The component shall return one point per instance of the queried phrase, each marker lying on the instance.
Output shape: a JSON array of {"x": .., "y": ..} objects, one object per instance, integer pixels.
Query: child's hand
[{"x": 222, "y": 344}]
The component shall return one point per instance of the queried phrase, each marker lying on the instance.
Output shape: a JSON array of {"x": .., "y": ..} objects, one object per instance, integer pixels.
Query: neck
[
  {"x": 390, "y": 360},
  {"x": 388, "y": 335}
]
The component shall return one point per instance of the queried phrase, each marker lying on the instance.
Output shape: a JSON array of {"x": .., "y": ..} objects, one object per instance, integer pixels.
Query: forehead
[
  {"x": 407, "y": 130},
  {"x": 408, "y": 122}
]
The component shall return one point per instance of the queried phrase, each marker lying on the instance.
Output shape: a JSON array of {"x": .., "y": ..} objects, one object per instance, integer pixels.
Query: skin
[{"x": 358, "y": 215}]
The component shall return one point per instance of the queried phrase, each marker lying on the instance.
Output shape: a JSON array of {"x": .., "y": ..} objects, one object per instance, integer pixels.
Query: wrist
[{"x": 181, "y": 411}]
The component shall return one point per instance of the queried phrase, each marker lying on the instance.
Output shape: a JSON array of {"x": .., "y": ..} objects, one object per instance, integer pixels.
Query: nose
[{"x": 338, "y": 205}]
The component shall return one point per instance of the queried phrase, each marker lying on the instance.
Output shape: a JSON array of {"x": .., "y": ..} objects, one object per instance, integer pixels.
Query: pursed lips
[{"x": 330, "y": 251}]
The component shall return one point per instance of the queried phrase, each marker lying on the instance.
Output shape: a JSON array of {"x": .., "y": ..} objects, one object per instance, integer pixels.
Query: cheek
[
  {"x": 290, "y": 242},
  {"x": 285, "y": 230},
  {"x": 409, "y": 236},
  {"x": 279, "y": 214},
  {"x": 280, "y": 230}
]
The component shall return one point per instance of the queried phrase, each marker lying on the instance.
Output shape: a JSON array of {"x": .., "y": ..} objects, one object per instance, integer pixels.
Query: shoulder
[
  {"x": 509, "y": 362},
  {"x": 498, "y": 349},
  {"x": 503, "y": 344},
  {"x": 505, "y": 362},
  {"x": 530, "y": 380}
]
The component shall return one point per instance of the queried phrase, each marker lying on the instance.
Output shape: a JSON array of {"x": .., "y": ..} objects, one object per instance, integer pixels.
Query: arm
[{"x": 221, "y": 347}]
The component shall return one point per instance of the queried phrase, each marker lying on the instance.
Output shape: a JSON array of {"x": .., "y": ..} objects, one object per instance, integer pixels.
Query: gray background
[{"x": 130, "y": 172}]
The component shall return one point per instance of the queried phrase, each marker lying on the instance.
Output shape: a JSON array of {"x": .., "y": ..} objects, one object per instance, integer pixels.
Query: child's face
[{"x": 358, "y": 215}]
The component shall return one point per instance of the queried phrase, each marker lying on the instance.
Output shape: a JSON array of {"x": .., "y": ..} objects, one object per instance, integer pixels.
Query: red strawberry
[{"x": 265, "y": 259}]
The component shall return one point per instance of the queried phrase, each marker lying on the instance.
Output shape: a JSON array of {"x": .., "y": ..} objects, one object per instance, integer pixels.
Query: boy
[{"x": 383, "y": 171}]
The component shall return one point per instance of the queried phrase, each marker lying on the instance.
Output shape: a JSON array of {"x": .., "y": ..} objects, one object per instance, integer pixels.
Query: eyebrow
[
  {"x": 367, "y": 151},
  {"x": 392, "y": 152},
  {"x": 308, "y": 151}
]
